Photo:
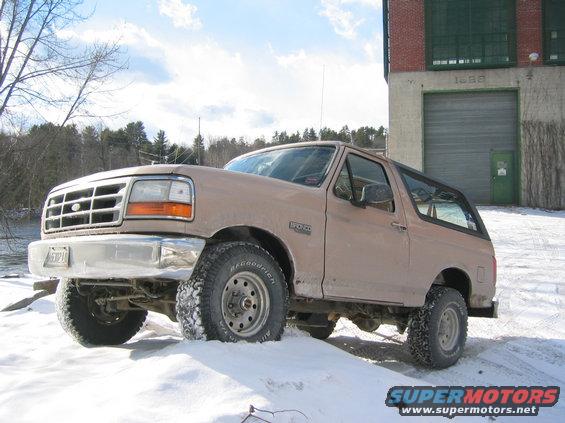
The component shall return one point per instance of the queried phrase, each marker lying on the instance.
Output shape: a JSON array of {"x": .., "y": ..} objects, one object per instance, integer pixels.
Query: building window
[
  {"x": 554, "y": 31},
  {"x": 470, "y": 33}
]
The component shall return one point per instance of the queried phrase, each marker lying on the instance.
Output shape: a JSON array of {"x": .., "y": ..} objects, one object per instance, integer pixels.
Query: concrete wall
[{"x": 541, "y": 91}]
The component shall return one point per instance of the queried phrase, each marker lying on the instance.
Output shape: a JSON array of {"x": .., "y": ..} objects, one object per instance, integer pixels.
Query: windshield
[{"x": 301, "y": 165}]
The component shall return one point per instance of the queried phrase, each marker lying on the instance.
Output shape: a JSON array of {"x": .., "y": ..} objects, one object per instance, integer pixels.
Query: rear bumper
[
  {"x": 115, "y": 257},
  {"x": 491, "y": 312}
]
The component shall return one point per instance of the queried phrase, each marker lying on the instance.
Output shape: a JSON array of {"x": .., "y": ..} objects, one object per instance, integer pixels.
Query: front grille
[{"x": 86, "y": 206}]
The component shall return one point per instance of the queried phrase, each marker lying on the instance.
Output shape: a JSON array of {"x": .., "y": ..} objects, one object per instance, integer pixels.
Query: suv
[{"x": 308, "y": 232}]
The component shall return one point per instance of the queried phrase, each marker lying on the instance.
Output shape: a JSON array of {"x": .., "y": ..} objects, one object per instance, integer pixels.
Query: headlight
[{"x": 161, "y": 198}]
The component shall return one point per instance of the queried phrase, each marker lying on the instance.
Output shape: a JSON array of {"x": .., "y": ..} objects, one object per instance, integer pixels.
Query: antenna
[
  {"x": 199, "y": 141},
  {"x": 322, "y": 102}
]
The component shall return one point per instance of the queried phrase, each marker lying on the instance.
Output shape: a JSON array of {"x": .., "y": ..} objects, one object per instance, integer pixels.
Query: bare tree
[
  {"x": 40, "y": 66},
  {"x": 42, "y": 69}
]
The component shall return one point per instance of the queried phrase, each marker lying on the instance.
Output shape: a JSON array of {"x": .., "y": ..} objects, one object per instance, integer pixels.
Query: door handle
[{"x": 398, "y": 226}]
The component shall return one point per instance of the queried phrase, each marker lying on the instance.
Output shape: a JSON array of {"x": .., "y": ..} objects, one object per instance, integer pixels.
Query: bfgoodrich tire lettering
[
  {"x": 78, "y": 319},
  {"x": 431, "y": 338},
  {"x": 201, "y": 302}
]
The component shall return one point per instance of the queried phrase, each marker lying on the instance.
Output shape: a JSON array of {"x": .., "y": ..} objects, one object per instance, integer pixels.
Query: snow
[
  {"x": 526, "y": 344},
  {"x": 158, "y": 377}
]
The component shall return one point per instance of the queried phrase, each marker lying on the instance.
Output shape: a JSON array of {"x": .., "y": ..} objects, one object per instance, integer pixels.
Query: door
[
  {"x": 367, "y": 249},
  {"x": 502, "y": 175},
  {"x": 461, "y": 130}
]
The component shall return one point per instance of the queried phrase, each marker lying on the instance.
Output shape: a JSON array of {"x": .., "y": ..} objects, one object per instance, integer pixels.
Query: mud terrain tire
[
  {"x": 438, "y": 330},
  {"x": 237, "y": 292},
  {"x": 88, "y": 327}
]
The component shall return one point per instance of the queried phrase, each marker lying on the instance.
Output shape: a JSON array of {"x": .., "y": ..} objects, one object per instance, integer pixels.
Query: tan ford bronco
[{"x": 306, "y": 233}]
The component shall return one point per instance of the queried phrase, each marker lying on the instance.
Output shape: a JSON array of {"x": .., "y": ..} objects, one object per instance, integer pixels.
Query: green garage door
[{"x": 462, "y": 131}]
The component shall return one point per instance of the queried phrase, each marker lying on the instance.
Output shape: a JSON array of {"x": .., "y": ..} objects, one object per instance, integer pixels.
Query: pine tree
[
  {"x": 328, "y": 134},
  {"x": 364, "y": 137},
  {"x": 294, "y": 138},
  {"x": 312, "y": 134},
  {"x": 345, "y": 134},
  {"x": 283, "y": 138},
  {"x": 160, "y": 146},
  {"x": 259, "y": 143},
  {"x": 198, "y": 148},
  {"x": 137, "y": 138}
]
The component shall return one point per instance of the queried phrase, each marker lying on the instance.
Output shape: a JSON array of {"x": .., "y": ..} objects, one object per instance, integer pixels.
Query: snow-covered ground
[{"x": 157, "y": 377}]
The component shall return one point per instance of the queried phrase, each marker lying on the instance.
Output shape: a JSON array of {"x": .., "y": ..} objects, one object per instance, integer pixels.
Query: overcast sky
[{"x": 246, "y": 67}]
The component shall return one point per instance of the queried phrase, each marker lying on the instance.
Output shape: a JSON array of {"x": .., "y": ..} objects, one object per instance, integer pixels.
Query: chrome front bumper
[{"x": 115, "y": 257}]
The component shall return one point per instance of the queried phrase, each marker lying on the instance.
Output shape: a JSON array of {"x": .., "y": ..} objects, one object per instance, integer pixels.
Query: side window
[
  {"x": 343, "y": 185},
  {"x": 360, "y": 172},
  {"x": 436, "y": 202}
]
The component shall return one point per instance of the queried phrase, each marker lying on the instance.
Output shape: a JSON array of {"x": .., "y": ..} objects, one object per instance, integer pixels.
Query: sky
[{"x": 246, "y": 67}]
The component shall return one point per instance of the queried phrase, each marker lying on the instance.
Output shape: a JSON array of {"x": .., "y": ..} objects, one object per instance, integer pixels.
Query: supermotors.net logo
[{"x": 451, "y": 401}]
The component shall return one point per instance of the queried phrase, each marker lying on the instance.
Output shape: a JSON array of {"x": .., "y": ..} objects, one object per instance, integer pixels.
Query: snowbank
[{"x": 157, "y": 377}]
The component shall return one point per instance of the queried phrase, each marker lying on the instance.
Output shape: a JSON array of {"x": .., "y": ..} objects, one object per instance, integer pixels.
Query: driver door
[{"x": 367, "y": 249}]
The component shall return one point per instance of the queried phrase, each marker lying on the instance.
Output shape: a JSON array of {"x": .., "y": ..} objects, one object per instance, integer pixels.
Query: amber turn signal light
[{"x": 160, "y": 209}]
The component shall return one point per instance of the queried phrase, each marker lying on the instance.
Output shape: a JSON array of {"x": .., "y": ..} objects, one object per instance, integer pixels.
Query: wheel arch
[
  {"x": 456, "y": 278},
  {"x": 266, "y": 240}
]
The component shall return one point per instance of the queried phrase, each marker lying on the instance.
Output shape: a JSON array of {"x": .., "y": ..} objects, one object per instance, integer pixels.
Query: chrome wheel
[
  {"x": 245, "y": 304},
  {"x": 448, "y": 329}
]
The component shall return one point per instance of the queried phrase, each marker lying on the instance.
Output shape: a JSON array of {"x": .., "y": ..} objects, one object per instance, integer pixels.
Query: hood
[{"x": 119, "y": 173}]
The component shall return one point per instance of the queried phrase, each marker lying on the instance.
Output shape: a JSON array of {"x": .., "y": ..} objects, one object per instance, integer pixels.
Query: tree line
[{"x": 46, "y": 155}]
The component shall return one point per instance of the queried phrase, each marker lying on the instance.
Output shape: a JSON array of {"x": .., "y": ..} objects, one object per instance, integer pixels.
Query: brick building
[{"x": 477, "y": 95}]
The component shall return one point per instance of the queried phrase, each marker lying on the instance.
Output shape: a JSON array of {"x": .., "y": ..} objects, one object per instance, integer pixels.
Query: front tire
[
  {"x": 89, "y": 323},
  {"x": 237, "y": 293},
  {"x": 437, "y": 332}
]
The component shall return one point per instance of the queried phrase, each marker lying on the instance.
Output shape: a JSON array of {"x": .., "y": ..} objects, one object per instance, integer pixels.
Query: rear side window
[
  {"x": 438, "y": 203},
  {"x": 355, "y": 174}
]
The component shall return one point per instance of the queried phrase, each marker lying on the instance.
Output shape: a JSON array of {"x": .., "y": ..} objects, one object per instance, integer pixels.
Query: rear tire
[
  {"x": 437, "y": 331},
  {"x": 89, "y": 323},
  {"x": 237, "y": 293}
]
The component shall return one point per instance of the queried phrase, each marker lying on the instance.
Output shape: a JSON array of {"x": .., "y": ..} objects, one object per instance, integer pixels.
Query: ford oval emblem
[{"x": 75, "y": 207}]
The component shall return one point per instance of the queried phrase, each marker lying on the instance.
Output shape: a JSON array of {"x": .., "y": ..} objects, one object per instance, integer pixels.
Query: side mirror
[{"x": 376, "y": 194}]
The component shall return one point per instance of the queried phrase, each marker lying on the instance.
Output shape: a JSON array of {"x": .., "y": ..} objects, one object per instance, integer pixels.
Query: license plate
[{"x": 57, "y": 257}]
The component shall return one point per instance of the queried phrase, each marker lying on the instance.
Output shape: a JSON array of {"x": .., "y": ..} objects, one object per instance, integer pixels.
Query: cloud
[
  {"x": 248, "y": 93},
  {"x": 125, "y": 33},
  {"x": 343, "y": 21},
  {"x": 260, "y": 118},
  {"x": 290, "y": 59},
  {"x": 217, "y": 111},
  {"x": 149, "y": 69},
  {"x": 373, "y": 48},
  {"x": 374, "y": 4},
  {"x": 182, "y": 14}
]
